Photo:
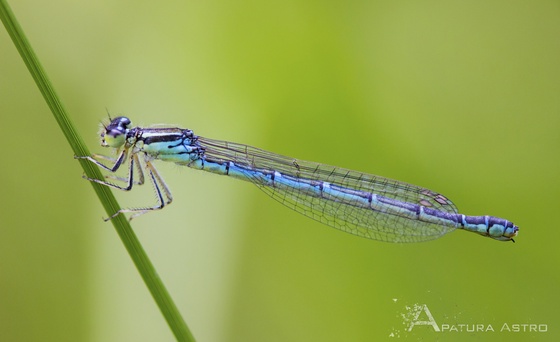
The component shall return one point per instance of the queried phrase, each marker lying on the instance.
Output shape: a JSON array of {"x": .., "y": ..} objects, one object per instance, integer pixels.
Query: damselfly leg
[{"x": 161, "y": 189}]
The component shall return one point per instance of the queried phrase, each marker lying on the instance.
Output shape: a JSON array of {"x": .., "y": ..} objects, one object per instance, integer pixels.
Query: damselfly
[{"x": 366, "y": 205}]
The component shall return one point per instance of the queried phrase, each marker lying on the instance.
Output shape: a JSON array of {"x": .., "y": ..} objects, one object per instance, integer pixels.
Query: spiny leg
[
  {"x": 96, "y": 157},
  {"x": 164, "y": 198},
  {"x": 159, "y": 179},
  {"x": 117, "y": 162},
  {"x": 156, "y": 180},
  {"x": 139, "y": 170},
  {"x": 129, "y": 180}
]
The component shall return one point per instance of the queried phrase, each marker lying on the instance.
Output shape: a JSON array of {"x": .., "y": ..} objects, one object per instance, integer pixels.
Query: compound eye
[
  {"x": 114, "y": 134},
  {"x": 122, "y": 122}
]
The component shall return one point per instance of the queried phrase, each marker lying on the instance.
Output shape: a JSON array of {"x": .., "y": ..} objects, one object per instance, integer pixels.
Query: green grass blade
[{"x": 121, "y": 224}]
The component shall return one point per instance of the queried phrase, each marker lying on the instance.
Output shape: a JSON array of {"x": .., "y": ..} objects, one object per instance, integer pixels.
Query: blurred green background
[{"x": 460, "y": 97}]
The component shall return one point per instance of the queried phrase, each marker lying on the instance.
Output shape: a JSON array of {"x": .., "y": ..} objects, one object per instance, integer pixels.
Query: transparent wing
[{"x": 364, "y": 221}]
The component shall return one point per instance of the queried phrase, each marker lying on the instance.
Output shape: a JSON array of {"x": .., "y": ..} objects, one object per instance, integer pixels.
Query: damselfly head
[{"x": 114, "y": 134}]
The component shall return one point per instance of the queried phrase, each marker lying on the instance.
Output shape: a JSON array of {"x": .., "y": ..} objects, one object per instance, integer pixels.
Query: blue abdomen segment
[{"x": 359, "y": 212}]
